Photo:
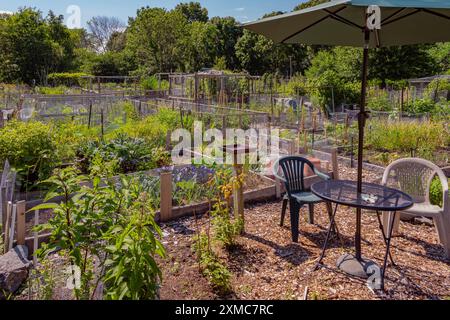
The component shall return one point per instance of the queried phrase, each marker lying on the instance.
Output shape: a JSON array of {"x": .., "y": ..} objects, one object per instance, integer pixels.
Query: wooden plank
[
  {"x": 35, "y": 237},
  {"x": 335, "y": 164},
  {"x": 166, "y": 196},
  {"x": 8, "y": 222},
  {"x": 12, "y": 227},
  {"x": 21, "y": 208},
  {"x": 3, "y": 205}
]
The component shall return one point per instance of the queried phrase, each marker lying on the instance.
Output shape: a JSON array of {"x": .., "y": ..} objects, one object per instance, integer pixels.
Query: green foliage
[
  {"x": 259, "y": 55},
  {"x": 226, "y": 229},
  {"x": 436, "y": 195},
  {"x": 403, "y": 137},
  {"x": 379, "y": 101},
  {"x": 335, "y": 74},
  {"x": 193, "y": 11},
  {"x": 109, "y": 222},
  {"x": 32, "y": 46},
  {"x": 420, "y": 106},
  {"x": 66, "y": 79},
  {"x": 404, "y": 62},
  {"x": 29, "y": 148},
  {"x": 132, "y": 272},
  {"x": 59, "y": 90},
  {"x": 156, "y": 37},
  {"x": 131, "y": 154},
  {"x": 213, "y": 269}
]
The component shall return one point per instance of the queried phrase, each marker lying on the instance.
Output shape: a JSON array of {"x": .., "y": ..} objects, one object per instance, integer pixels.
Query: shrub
[
  {"x": 436, "y": 195},
  {"x": 59, "y": 90},
  {"x": 110, "y": 223},
  {"x": 66, "y": 79},
  {"x": 393, "y": 136},
  {"x": 212, "y": 268},
  {"x": 29, "y": 148},
  {"x": 131, "y": 154},
  {"x": 420, "y": 106}
]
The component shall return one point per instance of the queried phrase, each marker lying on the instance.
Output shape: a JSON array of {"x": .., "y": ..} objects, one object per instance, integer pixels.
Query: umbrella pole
[{"x": 361, "y": 124}]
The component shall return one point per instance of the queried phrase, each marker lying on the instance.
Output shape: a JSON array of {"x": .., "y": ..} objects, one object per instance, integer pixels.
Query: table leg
[
  {"x": 388, "y": 250},
  {"x": 330, "y": 230},
  {"x": 384, "y": 236}
]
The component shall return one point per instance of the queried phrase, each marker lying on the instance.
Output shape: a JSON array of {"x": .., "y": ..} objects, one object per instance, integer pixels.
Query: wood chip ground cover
[{"x": 267, "y": 265}]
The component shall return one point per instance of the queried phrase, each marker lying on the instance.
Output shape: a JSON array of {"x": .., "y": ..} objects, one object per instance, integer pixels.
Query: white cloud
[
  {"x": 239, "y": 9},
  {"x": 5, "y": 12}
]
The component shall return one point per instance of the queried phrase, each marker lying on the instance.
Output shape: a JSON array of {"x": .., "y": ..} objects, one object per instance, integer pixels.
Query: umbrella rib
[
  {"x": 393, "y": 15},
  {"x": 402, "y": 17},
  {"x": 311, "y": 25},
  {"x": 436, "y": 13},
  {"x": 343, "y": 20}
]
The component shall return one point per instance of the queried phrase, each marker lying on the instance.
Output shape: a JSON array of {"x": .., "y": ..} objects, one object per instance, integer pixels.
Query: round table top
[{"x": 373, "y": 196}]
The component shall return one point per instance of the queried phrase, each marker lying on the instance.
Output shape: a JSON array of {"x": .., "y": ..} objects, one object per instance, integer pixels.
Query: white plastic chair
[{"x": 414, "y": 177}]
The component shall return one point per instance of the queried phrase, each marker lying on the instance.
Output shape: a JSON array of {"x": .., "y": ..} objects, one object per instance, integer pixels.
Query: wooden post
[
  {"x": 90, "y": 115},
  {"x": 4, "y": 203},
  {"x": 335, "y": 163},
  {"x": 168, "y": 140},
  {"x": 36, "y": 237},
  {"x": 238, "y": 193},
  {"x": 103, "y": 122},
  {"x": 21, "y": 208},
  {"x": 12, "y": 227},
  {"x": 166, "y": 196},
  {"x": 7, "y": 225}
]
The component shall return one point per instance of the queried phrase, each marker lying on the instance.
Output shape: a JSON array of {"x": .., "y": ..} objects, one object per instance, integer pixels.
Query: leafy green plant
[
  {"x": 74, "y": 224},
  {"x": 436, "y": 195},
  {"x": 131, "y": 154},
  {"x": 43, "y": 281},
  {"x": 132, "y": 272},
  {"x": 29, "y": 148},
  {"x": 109, "y": 221},
  {"x": 187, "y": 192},
  {"x": 226, "y": 229},
  {"x": 212, "y": 268}
]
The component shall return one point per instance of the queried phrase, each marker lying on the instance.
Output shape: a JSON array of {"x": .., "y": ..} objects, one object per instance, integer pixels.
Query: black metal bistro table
[{"x": 373, "y": 197}]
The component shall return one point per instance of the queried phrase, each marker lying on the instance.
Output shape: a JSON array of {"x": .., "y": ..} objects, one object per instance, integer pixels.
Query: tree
[
  {"x": 398, "y": 63},
  {"x": 102, "y": 28},
  {"x": 309, "y": 4},
  {"x": 201, "y": 46},
  {"x": 441, "y": 55},
  {"x": 193, "y": 12},
  {"x": 258, "y": 54},
  {"x": 156, "y": 37},
  {"x": 340, "y": 69},
  {"x": 228, "y": 34},
  {"x": 31, "y": 46},
  {"x": 117, "y": 42}
]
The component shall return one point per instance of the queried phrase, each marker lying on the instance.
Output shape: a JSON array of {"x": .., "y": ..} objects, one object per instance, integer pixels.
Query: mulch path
[{"x": 267, "y": 265}]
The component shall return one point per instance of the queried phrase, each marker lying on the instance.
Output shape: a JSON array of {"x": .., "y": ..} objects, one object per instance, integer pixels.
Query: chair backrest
[
  {"x": 294, "y": 173},
  {"x": 414, "y": 177}
]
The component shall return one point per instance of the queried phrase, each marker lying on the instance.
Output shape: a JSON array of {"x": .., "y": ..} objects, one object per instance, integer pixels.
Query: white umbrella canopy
[{"x": 341, "y": 22}]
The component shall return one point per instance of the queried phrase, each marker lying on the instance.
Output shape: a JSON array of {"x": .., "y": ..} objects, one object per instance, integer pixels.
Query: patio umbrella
[{"x": 361, "y": 23}]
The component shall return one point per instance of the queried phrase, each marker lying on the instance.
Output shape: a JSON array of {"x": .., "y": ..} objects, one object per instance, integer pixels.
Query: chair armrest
[
  {"x": 275, "y": 169},
  {"x": 322, "y": 175}
]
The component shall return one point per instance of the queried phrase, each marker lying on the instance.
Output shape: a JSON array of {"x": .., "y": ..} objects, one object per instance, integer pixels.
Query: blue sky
[{"x": 243, "y": 10}]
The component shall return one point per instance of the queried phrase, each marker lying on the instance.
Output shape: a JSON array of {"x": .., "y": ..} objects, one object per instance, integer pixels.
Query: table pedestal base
[{"x": 352, "y": 266}]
